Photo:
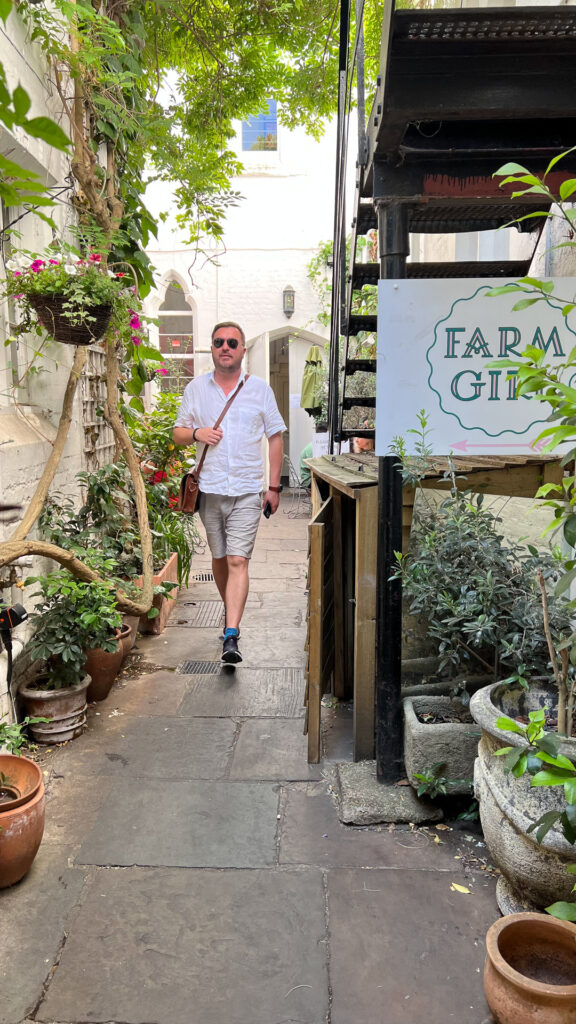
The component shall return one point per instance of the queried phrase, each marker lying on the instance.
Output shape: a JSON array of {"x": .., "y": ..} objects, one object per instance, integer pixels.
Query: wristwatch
[{"x": 277, "y": 489}]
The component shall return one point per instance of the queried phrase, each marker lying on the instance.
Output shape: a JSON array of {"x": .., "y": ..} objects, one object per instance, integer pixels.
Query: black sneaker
[{"x": 230, "y": 653}]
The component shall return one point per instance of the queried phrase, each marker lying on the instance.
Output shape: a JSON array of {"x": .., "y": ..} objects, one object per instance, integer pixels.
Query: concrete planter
[
  {"x": 533, "y": 874},
  {"x": 165, "y": 605},
  {"x": 453, "y": 743}
]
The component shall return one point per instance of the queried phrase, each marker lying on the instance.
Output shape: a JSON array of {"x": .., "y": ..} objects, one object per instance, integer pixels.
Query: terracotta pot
[
  {"x": 132, "y": 621},
  {"x": 21, "y": 819},
  {"x": 103, "y": 667},
  {"x": 533, "y": 874},
  {"x": 530, "y": 971},
  {"x": 66, "y": 709},
  {"x": 165, "y": 605},
  {"x": 125, "y": 639}
]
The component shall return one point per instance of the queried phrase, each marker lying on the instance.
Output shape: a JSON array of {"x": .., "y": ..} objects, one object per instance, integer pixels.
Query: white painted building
[
  {"x": 270, "y": 237},
  {"x": 30, "y": 403}
]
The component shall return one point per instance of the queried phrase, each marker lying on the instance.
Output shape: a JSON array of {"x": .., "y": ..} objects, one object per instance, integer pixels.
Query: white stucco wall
[
  {"x": 270, "y": 238},
  {"x": 29, "y": 414}
]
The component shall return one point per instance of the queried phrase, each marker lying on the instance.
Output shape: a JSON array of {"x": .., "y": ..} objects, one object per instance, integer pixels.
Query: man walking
[{"x": 231, "y": 478}]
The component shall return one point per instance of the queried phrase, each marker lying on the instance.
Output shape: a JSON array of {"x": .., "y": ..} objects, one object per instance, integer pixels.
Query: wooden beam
[{"x": 365, "y": 622}]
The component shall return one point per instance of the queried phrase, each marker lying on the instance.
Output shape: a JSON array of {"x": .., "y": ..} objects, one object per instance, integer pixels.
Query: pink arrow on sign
[{"x": 465, "y": 446}]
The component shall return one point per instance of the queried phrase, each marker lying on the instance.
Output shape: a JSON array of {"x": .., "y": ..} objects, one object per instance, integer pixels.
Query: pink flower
[
  {"x": 19, "y": 296},
  {"x": 162, "y": 370},
  {"x": 36, "y": 265},
  {"x": 94, "y": 257},
  {"x": 137, "y": 341},
  {"x": 135, "y": 321},
  {"x": 54, "y": 263},
  {"x": 17, "y": 273}
]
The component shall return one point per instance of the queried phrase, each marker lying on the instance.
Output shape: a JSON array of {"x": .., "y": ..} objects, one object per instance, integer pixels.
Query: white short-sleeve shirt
[{"x": 233, "y": 466}]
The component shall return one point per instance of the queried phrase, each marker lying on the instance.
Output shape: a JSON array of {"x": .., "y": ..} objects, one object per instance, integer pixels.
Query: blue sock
[{"x": 231, "y": 631}]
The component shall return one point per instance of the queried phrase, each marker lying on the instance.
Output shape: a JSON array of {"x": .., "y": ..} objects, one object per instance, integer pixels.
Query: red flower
[
  {"x": 94, "y": 257},
  {"x": 37, "y": 266},
  {"x": 137, "y": 341}
]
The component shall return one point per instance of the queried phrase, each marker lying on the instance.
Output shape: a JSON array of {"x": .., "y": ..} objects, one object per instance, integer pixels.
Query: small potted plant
[
  {"x": 72, "y": 618},
  {"x": 69, "y": 295}
]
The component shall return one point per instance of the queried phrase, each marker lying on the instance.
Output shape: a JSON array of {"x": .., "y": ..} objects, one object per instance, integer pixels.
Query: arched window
[{"x": 176, "y": 339}]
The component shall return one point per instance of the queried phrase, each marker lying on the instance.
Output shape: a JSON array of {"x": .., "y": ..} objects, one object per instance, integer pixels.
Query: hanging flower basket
[{"x": 51, "y": 313}]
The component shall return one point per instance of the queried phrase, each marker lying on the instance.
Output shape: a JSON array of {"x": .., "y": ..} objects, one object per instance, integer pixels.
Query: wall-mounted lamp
[{"x": 288, "y": 296}]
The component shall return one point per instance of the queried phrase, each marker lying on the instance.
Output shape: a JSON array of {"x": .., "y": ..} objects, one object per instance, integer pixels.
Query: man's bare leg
[
  {"x": 236, "y": 589},
  {"x": 220, "y": 570}
]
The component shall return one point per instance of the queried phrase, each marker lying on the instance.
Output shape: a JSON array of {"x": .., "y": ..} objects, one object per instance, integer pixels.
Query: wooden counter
[{"x": 342, "y": 569}]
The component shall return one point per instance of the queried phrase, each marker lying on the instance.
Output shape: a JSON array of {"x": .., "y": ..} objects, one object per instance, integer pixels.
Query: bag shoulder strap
[{"x": 219, "y": 420}]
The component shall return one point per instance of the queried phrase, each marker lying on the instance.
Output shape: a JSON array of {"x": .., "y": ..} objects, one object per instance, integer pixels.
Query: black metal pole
[{"x": 393, "y": 240}]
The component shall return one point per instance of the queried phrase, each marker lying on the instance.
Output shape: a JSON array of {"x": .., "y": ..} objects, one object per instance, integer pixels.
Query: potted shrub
[
  {"x": 21, "y": 805},
  {"x": 70, "y": 295},
  {"x": 478, "y": 594},
  {"x": 71, "y": 618}
]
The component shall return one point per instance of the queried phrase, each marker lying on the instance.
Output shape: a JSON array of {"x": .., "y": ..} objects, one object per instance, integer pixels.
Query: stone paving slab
[
  {"x": 208, "y": 947},
  {"x": 272, "y": 647},
  {"x": 154, "y": 748},
  {"x": 185, "y": 824},
  {"x": 245, "y": 693},
  {"x": 158, "y": 693},
  {"x": 272, "y": 749},
  {"x": 72, "y": 805},
  {"x": 34, "y": 918},
  {"x": 405, "y": 949},
  {"x": 312, "y": 834},
  {"x": 176, "y": 644}
]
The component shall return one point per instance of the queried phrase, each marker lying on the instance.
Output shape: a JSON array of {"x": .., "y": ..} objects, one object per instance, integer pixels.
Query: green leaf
[
  {"x": 510, "y": 168},
  {"x": 550, "y": 778},
  {"x": 562, "y": 910},
  {"x": 509, "y": 725},
  {"x": 47, "y": 130},
  {"x": 5, "y": 8},
  {"x": 555, "y": 159},
  {"x": 524, "y": 303},
  {"x": 544, "y": 824},
  {"x": 570, "y": 791},
  {"x": 568, "y": 308},
  {"x": 570, "y": 529},
  {"x": 21, "y": 103},
  {"x": 567, "y": 188},
  {"x": 564, "y": 583}
]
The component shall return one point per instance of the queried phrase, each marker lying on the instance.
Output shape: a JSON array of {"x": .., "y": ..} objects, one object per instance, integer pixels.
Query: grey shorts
[{"x": 231, "y": 524}]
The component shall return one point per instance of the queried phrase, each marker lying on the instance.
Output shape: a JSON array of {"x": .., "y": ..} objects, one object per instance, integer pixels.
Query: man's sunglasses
[{"x": 231, "y": 342}]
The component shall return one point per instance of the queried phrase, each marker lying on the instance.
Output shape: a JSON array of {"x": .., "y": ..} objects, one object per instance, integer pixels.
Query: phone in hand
[{"x": 267, "y": 510}]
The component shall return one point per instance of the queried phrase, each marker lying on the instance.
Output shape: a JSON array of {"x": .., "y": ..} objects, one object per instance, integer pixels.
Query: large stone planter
[
  {"x": 452, "y": 743},
  {"x": 165, "y": 605},
  {"x": 534, "y": 874}
]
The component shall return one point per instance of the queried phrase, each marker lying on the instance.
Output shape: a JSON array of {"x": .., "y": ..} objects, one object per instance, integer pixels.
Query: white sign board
[{"x": 436, "y": 341}]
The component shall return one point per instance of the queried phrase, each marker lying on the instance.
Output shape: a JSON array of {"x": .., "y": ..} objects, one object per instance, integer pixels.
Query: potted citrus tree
[{"x": 72, "y": 618}]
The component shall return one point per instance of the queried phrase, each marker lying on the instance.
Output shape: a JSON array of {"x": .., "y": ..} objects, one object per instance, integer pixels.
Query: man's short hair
[{"x": 229, "y": 323}]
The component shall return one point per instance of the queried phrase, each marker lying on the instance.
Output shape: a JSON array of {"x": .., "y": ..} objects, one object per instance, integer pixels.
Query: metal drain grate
[
  {"x": 208, "y": 614},
  {"x": 199, "y": 668},
  {"x": 203, "y": 577}
]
